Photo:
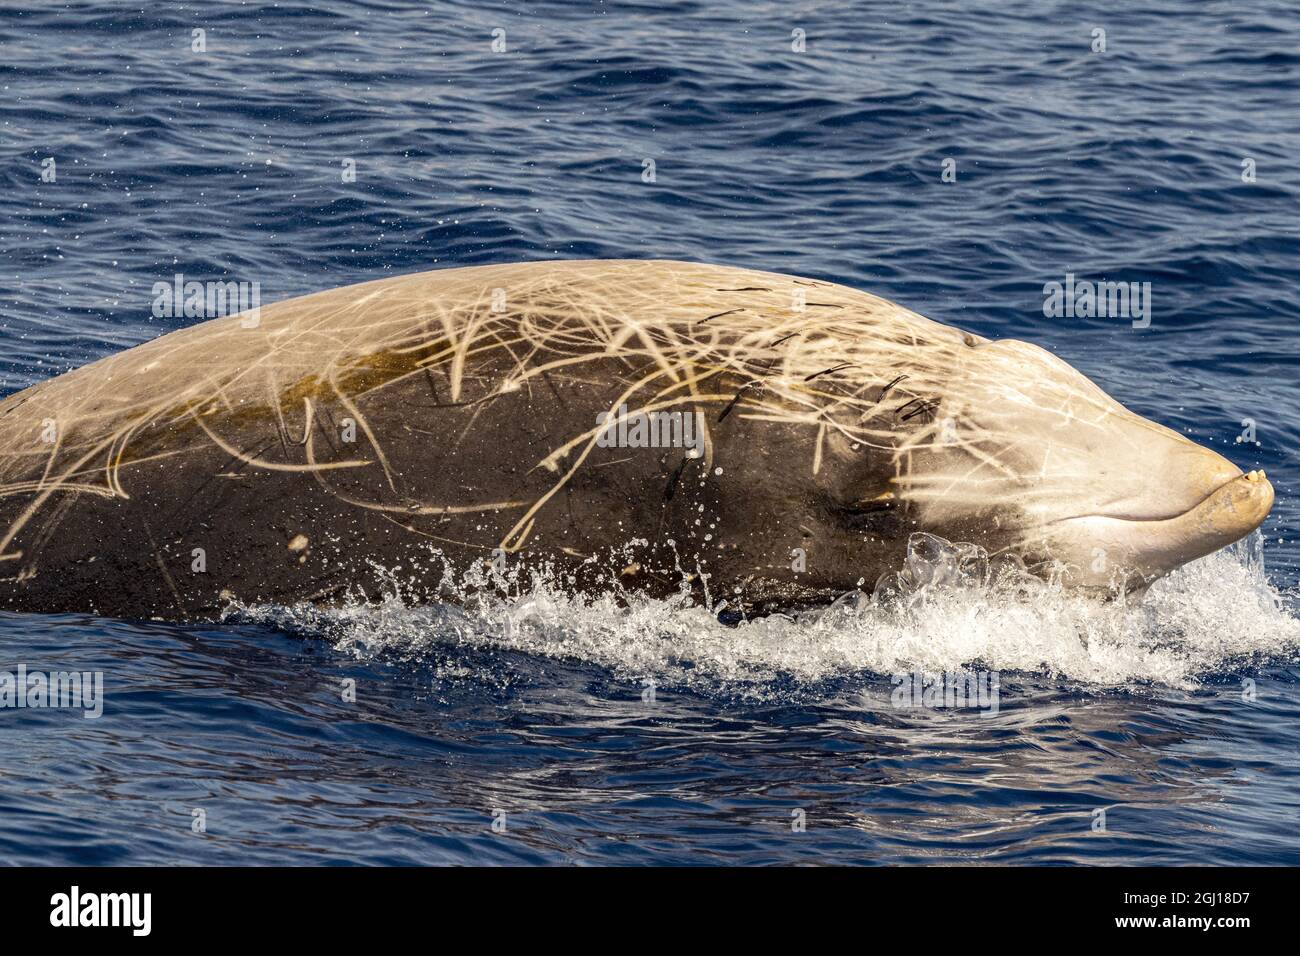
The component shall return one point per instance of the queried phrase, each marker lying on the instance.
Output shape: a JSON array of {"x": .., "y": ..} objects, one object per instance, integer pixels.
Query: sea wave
[{"x": 950, "y": 609}]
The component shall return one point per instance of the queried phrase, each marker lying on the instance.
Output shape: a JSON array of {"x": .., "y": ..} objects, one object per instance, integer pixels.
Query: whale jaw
[{"x": 1129, "y": 549}]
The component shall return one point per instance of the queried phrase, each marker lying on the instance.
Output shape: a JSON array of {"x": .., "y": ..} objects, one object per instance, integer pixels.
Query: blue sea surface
[{"x": 549, "y": 732}]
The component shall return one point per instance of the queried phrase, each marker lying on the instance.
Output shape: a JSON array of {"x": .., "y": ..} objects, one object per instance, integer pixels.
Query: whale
[{"x": 615, "y": 426}]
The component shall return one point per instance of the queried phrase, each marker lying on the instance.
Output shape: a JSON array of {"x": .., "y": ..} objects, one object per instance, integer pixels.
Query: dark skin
[{"x": 286, "y": 536}]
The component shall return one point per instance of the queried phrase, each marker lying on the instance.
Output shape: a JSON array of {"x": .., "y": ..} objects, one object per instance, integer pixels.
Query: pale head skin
[
  {"x": 832, "y": 421},
  {"x": 1114, "y": 498}
]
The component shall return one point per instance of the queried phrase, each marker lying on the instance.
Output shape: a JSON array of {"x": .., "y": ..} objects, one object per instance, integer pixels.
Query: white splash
[{"x": 950, "y": 608}]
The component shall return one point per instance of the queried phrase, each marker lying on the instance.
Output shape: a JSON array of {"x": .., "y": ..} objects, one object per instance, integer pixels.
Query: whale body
[{"x": 618, "y": 424}]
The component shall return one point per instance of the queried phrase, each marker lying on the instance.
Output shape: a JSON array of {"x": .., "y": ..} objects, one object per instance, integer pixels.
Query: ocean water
[{"x": 1164, "y": 731}]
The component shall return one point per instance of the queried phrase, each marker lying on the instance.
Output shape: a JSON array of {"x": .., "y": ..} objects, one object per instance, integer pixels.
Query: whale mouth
[
  {"x": 1253, "y": 486},
  {"x": 1155, "y": 545}
]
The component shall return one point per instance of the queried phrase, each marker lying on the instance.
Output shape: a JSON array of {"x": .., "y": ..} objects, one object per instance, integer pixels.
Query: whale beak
[
  {"x": 1231, "y": 512},
  {"x": 1154, "y": 546}
]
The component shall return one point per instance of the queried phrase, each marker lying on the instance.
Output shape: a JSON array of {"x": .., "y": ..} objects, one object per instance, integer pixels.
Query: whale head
[{"x": 1022, "y": 453}]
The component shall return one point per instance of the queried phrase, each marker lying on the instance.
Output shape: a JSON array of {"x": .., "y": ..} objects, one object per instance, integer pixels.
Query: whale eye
[{"x": 969, "y": 339}]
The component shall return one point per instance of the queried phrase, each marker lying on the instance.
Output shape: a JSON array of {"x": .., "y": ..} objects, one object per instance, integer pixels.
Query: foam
[{"x": 949, "y": 608}]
